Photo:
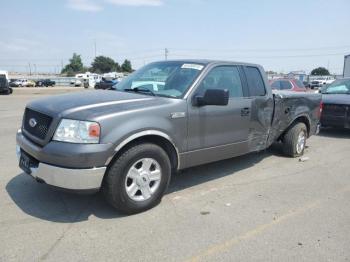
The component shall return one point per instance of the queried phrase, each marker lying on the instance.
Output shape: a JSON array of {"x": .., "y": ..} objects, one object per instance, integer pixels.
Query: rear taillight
[{"x": 321, "y": 108}]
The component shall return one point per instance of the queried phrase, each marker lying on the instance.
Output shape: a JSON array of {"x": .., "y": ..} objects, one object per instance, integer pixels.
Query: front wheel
[
  {"x": 137, "y": 180},
  {"x": 294, "y": 140}
]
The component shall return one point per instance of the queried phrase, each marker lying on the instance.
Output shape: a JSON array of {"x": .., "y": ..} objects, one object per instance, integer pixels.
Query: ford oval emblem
[{"x": 32, "y": 122}]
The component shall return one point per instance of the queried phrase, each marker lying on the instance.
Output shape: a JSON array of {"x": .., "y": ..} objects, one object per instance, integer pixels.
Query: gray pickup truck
[{"x": 165, "y": 117}]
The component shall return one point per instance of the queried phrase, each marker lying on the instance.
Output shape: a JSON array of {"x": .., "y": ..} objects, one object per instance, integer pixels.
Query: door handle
[{"x": 245, "y": 111}]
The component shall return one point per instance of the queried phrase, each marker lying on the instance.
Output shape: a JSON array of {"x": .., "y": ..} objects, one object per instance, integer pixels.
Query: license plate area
[{"x": 26, "y": 162}]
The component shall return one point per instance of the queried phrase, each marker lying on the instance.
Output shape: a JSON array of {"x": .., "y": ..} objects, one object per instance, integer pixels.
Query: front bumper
[
  {"x": 63, "y": 167},
  {"x": 72, "y": 179}
]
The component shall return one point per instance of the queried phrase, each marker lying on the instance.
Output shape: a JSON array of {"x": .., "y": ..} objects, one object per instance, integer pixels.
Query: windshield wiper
[{"x": 140, "y": 90}]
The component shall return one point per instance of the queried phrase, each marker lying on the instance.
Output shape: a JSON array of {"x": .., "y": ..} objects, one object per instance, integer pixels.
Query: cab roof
[{"x": 209, "y": 62}]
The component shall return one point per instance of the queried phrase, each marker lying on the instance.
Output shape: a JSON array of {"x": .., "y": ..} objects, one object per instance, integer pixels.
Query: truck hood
[
  {"x": 92, "y": 104},
  {"x": 340, "y": 99}
]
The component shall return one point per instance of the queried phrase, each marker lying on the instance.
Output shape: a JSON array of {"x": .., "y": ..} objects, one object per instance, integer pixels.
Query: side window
[
  {"x": 255, "y": 82},
  {"x": 223, "y": 77},
  {"x": 285, "y": 85},
  {"x": 276, "y": 85}
]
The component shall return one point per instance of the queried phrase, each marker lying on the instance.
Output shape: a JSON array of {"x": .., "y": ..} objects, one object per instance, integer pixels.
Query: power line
[
  {"x": 271, "y": 57},
  {"x": 263, "y": 49},
  {"x": 177, "y": 50}
]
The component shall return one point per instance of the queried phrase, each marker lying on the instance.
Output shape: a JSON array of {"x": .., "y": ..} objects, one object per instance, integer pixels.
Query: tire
[
  {"x": 294, "y": 140},
  {"x": 126, "y": 190}
]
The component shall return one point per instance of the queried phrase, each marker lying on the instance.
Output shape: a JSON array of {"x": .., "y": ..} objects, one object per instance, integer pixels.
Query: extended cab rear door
[{"x": 262, "y": 105}]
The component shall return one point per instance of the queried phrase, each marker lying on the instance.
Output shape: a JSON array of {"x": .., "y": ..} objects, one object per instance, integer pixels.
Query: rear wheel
[
  {"x": 294, "y": 140},
  {"x": 137, "y": 180}
]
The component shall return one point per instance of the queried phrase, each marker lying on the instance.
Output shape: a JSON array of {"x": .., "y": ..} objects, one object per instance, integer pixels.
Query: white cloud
[
  {"x": 84, "y": 5},
  {"x": 136, "y": 2},
  {"x": 18, "y": 44},
  {"x": 98, "y": 5}
]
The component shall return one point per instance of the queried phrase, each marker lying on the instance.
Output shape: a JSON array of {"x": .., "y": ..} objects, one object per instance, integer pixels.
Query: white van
[{"x": 87, "y": 80}]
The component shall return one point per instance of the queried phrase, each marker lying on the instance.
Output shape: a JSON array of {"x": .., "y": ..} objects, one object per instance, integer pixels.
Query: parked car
[
  {"x": 288, "y": 84},
  {"x": 76, "y": 82},
  {"x": 4, "y": 85},
  {"x": 106, "y": 83},
  {"x": 336, "y": 104},
  {"x": 315, "y": 84},
  {"x": 13, "y": 83},
  {"x": 319, "y": 82},
  {"x": 24, "y": 83},
  {"x": 17, "y": 83},
  {"x": 306, "y": 84},
  {"x": 129, "y": 141},
  {"x": 152, "y": 85},
  {"x": 45, "y": 82}
]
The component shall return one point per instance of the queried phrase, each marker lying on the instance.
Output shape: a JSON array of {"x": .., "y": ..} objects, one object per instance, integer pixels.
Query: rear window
[
  {"x": 276, "y": 85},
  {"x": 255, "y": 82},
  {"x": 285, "y": 85},
  {"x": 299, "y": 84}
]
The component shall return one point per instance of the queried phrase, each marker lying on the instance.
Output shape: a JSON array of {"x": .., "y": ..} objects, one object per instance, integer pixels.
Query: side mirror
[{"x": 212, "y": 97}]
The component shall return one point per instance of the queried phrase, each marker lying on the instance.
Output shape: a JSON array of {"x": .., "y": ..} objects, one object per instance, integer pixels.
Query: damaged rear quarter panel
[{"x": 292, "y": 105}]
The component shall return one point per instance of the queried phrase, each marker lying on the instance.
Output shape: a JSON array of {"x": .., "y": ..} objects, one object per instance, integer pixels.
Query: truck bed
[{"x": 289, "y": 106}]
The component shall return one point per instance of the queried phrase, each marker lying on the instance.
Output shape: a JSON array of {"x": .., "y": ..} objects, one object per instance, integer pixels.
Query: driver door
[{"x": 219, "y": 132}]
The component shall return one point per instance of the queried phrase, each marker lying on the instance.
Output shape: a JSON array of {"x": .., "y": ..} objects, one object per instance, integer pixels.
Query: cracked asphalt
[{"x": 259, "y": 207}]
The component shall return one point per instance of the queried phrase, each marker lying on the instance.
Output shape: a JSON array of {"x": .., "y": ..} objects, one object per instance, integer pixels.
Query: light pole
[{"x": 166, "y": 52}]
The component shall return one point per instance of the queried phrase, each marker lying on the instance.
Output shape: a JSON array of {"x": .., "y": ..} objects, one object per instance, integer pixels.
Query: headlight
[{"x": 75, "y": 131}]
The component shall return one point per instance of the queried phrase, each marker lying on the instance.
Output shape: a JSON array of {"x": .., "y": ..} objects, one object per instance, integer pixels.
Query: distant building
[{"x": 300, "y": 75}]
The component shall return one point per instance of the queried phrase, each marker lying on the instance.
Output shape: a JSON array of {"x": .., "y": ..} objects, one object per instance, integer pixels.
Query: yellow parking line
[{"x": 223, "y": 246}]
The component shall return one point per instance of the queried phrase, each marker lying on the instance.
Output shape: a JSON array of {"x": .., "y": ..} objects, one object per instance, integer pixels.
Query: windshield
[
  {"x": 341, "y": 86},
  {"x": 170, "y": 79}
]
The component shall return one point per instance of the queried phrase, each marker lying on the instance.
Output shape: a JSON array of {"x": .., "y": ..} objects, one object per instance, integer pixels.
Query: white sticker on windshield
[{"x": 192, "y": 66}]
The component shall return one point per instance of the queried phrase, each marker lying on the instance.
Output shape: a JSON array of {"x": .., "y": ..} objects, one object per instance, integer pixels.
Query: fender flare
[
  {"x": 308, "y": 124},
  {"x": 148, "y": 133}
]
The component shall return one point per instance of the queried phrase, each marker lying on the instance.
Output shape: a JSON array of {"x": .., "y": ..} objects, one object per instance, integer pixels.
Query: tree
[
  {"x": 75, "y": 65},
  {"x": 118, "y": 68},
  {"x": 126, "y": 66},
  {"x": 320, "y": 71},
  {"x": 104, "y": 64}
]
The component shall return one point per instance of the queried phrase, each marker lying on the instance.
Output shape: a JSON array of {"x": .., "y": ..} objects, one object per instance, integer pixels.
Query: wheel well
[
  {"x": 164, "y": 143},
  {"x": 305, "y": 120},
  {"x": 300, "y": 119}
]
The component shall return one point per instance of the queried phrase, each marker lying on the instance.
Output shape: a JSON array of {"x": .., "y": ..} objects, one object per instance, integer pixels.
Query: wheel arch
[
  {"x": 152, "y": 136},
  {"x": 299, "y": 119}
]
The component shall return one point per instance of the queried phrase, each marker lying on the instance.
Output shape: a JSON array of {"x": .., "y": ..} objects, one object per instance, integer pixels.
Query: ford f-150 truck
[{"x": 127, "y": 142}]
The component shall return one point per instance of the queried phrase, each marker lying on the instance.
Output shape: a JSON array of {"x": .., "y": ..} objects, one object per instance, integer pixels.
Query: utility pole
[
  {"x": 166, "y": 52},
  {"x": 30, "y": 69},
  {"x": 95, "y": 46},
  {"x": 328, "y": 65}
]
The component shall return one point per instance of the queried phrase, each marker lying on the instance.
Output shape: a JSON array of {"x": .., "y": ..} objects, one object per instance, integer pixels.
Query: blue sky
[{"x": 280, "y": 35}]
